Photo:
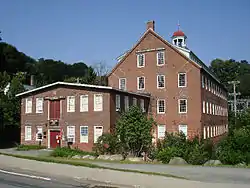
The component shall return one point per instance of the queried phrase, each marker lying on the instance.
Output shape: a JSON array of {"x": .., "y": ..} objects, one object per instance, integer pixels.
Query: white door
[{"x": 97, "y": 132}]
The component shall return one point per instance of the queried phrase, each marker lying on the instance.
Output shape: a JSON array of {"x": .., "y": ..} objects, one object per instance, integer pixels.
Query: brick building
[
  {"x": 80, "y": 113},
  {"x": 166, "y": 79},
  {"x": 185, "y": 95}
]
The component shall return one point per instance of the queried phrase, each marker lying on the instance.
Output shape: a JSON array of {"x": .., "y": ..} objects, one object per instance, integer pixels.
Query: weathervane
[{"x": 179, "y": 25}]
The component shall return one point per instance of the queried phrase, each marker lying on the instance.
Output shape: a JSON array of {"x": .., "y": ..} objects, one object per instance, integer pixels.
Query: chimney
[
  {"x": 32, "y": 80},
  {"x": 151, "y": 25}
]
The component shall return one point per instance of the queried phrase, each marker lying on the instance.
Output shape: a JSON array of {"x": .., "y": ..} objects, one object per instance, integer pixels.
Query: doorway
[{"x": 53, "y": 140}]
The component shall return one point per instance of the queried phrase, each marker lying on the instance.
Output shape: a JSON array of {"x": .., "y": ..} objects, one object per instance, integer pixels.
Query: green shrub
[
  {"x": 107, "y": 144},
  {"x": 23, "y": 147},
  {"x": 67, "y": 152},
  {"x": 166, "y": 154}
]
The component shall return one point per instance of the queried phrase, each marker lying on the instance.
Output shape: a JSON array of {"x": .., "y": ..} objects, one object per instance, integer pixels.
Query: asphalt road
[{"x": 13, "y": 179}]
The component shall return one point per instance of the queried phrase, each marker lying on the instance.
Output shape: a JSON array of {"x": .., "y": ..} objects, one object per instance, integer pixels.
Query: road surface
[{"x": 14, "y": 179}]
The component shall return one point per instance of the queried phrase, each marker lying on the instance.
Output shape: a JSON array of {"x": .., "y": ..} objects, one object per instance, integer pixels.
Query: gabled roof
[
  {"x": 160, "y": 38},
  {"x": 198, "y": 64},
  {"x": 79, "y": 85}
]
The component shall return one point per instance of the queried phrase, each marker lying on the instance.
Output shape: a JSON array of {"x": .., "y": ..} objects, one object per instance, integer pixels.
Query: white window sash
[
  {"x": 138, "y": 83},
  {"x": 28, "y": 133},
  {"x": 71, "y": 104},
  {"x": 161, "y": 129},
  {"x": 98, "y": 102},
  {"x": 84, "y": 103},
  {"x": 28, "y": 105},
  {"x": 126, "y": 103},
  {"x": 142, "y": 104},
  {"x": 138, "y": 60},
  {"x": 71, "y": 132},
  {"x": 184, "y": 129},
  {"x": 185, "y": 80},
  {"x": 158, "y": 106},
  {"x": 159, "y": 59},
  {"x": 118, "y": 102},
  {"x": 98, "y": 131},
  {"x": 158, "y": 81},
  {"x": 39, "y": 130},
  {"x": 84, "y": 138},
  {"x": 122, "y": 83},
  {"x": 179, "y": 104},
  {"x": 39, "y": 105}
]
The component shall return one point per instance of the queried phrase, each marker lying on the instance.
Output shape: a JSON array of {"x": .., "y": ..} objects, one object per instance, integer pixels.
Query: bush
[
  {"x": 29, "y": 147},
  {"x": 67, "y": 152},
  {"x": 107, "y": 144}
]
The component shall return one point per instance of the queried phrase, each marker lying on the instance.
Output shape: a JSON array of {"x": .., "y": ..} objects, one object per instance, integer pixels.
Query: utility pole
[{"x": 235, "y": 95}]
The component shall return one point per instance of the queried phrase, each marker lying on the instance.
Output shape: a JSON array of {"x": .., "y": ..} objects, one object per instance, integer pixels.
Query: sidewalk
[{"x": 108, "y": 176}]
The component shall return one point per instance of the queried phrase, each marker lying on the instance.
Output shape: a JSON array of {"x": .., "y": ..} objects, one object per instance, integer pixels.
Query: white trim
[
  {"x": 61, "y": 107},
  {"x": 39, "y": 99},
  {"x": 95, "y": 139},
  {"x": 125, "y": 87},
  {"x": 150, "y": 50},
  {"x": 86, "y": 136},
  {"x": 157, "y": 81},
  {"x": 86, "y": 97},
  {"x": 184, "y": 77},
  {"x": 158, "y": 131},
  {"x": 158, "y": 112},
  {"x": 117, "y": 102},
  {"x": 183, "y": 125},
  {"x": 179, "y": 106},
  {"x": 48, "y": 138},
  {"x": 26, "y": 138},
  {"x": 138, "y": 82},
  {"x": 95, "y": 105},
  {"x": 138, "y": 60},
  {"x": 26, "y": 105},
  {"x": 48, "y": 109},
  {"x": 157, "y": 59},
  {"x": 68, "y": 103}
]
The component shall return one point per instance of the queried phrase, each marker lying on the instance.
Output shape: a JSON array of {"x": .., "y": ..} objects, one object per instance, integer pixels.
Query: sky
[{"x": 95, "y": 31}]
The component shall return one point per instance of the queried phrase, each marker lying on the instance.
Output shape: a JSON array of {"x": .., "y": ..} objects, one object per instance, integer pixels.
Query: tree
[
  {"x": 101, "y": 69},
  {"x": 134, "y": 130}
]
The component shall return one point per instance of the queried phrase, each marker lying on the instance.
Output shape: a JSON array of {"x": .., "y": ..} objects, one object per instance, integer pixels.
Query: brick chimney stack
[{"x": 151, "y": 25}]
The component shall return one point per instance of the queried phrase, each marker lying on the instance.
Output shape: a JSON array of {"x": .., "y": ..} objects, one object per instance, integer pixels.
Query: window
[
  {"x": 27, "y": 133},
  {"x": 204, "y": 132},
  {"x": 214, "y": 131},
  {"x": 182, "y": 105},
  {"x": 84, "y": 132},
  {"x": 71, "y": 133},
  {"x": 202, "y": 81},
  {"x": 140, "y": 60},
  {"x": 98, "y": 102},
  {"x": 208, "y": 132},
  {"x": 141, "y": 83},
  {"x": 97, "y": 132},
  {"x": 84, "y": 103},
  {"x": 39, "y": 105},
  {"x": 71, "y": 104},
  {"x": 207, "y": 108},
  {"x": 160, "y": 106},
  {"x": 118, "y": 102},
  {"x": 160, "y": 81},
  {"x": 210, "y": 108},
  {"x": 28, "y": 105},
  {"x": 161, "y": 129},
  {"x": 134, "y": 101},
  {"x": 142, "y": 105},
  {"x": 209, "y": 85},
  {"x": 122, "y": 84},
  {"x": 206, "y": 82},
  {"x": 182, "y": 80},
  {"x": 213, "y": 109},
  {"x": 160, "y": 58},
  {"x": 126, "y": 103},
  {"x": 39, "y": 131},
  {"x": 204, "y": 107},
  {"x": 211, "y": 131},
  {"x": 183, "y": 129}
]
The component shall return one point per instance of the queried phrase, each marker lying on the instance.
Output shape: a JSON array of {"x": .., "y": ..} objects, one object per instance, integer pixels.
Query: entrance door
[{"x": 53, "y": 141}]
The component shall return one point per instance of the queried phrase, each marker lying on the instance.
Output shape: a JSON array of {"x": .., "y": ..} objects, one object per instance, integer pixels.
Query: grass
[
  {"x": 29, "y": 147},
  {"x": 85, "y": 164}
]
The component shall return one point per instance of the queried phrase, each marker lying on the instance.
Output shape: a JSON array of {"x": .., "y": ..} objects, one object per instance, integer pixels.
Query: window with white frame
[
  {"x": 209, "y": 85},
  {"x": 161, "y": 106},
  {"x": 98, "y": 130},
  {"x": 182, "y": 80},
  {"x": 28, "y": 133},
  {"x": 214, "y": 131},
  {"x": 84, "y": 103},
  {"x": 140, "y": 60},
  {"x": 71, "y": 104},
  {"x": 134, "y": 101},
  {"x": 122, "y": 84},
  {"x": 182, "y": 105},
  {"x": 204, "y": 132},
  {"x": 161, "y": 130},
  {"x": 160, "y": 81},
  {"x": 160, "y": 58},
  {"x": 211, "y": 131},
  {"x": 39, "y": 105},
  {"x": 98, "y": 102},
  {"x": 207, "y": 108},
  {"x": 118, "y": 102},
  {"x": 142, "y": 104},
  {"x": 213, "y": 109},
  {"x": 183, "y": 129},
  {"x": 206, "y": 83},
  {"x": 71, "y": 133},
  {"x": 204, "y": 107},
  {"x": 84, "y": 134},
  {"x": 126, "y": 103},
  {"x": 141, "y": 83},
  {"x": 39, "y": 131},
  {"x": 210, "y": 108},
  {"x": 28, "y": 105},
  {"x": 202, "y": 81}
]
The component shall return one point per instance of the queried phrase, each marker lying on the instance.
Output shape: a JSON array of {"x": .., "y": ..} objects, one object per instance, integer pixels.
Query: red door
[{"x": 53, "y": 140}]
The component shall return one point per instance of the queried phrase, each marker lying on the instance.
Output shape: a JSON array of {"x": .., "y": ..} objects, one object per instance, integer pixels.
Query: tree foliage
[{"x": 134, "y": 130}]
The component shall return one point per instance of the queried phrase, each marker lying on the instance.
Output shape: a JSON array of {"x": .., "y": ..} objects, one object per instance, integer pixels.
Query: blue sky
[{"x": 96, "y": 30}]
